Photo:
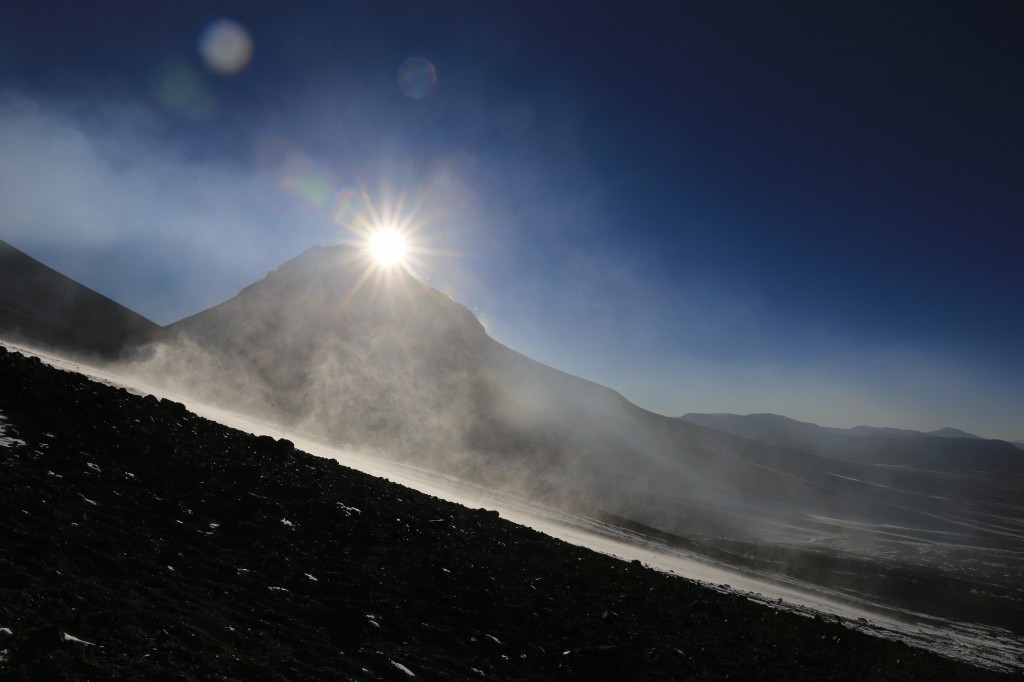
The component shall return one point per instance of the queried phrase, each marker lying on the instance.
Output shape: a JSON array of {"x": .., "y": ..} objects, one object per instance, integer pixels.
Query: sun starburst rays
[
  {"x": 387, "y": 246},
  {"x": 389, "y": 243}
]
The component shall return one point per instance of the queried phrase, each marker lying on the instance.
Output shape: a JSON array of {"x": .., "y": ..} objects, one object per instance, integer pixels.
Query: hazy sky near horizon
[{"x": 814, "y": 209}]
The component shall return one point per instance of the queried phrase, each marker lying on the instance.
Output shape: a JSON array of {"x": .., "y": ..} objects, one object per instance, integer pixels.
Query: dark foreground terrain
[{"x": 141, "y": 542}]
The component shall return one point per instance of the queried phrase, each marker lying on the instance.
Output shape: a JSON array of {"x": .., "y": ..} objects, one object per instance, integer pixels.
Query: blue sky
[{"x": 806, "y": 208}]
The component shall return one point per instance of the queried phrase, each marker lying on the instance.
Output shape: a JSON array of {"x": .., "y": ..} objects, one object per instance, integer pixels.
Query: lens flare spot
[
  {"x": 387, "y": 246},
  {"x": 226, "y": 47},
  {"x": 345, "y": 208},
  {"x": 416, "y": 77},
  {"x": 304, "y": 177},
  {"x": 179, "y": 88}
]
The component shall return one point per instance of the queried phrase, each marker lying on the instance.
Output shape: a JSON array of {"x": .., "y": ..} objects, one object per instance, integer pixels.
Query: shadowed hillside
[{"x": 42, "y": 306}]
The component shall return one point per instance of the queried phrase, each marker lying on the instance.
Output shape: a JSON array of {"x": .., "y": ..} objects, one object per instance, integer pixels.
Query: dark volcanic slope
[
  {"x": 40, "y": 305},
  {"x": 179, "y": 549}
]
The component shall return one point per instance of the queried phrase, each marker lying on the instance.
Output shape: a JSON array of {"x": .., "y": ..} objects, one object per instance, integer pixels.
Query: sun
[{"x": 387, "y": 246}]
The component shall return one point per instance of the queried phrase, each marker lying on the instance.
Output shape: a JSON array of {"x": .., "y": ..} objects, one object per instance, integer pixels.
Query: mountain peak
[
  {"x": 325, "y": 283},
  {"x": 339, "y": 259},
  {"x": 950, "y": 432}
]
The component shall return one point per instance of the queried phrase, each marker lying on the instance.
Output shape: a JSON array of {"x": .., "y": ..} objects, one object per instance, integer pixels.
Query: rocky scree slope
[{"x": 139, "y": 541}]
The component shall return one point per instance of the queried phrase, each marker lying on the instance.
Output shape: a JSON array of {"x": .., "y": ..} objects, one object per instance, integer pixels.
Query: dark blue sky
[{"x": 807, "y": 208}]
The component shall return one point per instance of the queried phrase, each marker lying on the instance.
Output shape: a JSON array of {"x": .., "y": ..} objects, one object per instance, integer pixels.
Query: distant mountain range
[
  {"x": 946, "y": 432},
  {"x": 765, "y": 424},
  {"x": 40, "y": 305},
  {"x": 945, "y": 449}
]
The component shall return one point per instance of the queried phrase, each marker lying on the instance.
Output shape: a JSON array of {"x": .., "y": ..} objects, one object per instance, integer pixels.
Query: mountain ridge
[
  {"x": 39, "y": 304},
  {"x": 943, "y": 448},
  {"x": 862, "y": 429}
]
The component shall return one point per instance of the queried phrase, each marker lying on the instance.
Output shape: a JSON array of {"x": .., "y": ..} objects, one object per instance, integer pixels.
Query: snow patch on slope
[{"x": 7, "y": 441}]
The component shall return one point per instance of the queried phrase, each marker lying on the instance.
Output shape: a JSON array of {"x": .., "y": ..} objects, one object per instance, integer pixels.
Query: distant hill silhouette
[
  {"x": 949, "y": 432},
  {"x": 946, "y": 449},
  {"x": 946, "y": 432},
  {"x": 41, "y": 306}
]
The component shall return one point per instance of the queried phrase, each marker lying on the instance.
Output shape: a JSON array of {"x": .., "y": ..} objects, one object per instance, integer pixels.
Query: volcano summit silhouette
[{"x": 329, "y": 345}]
